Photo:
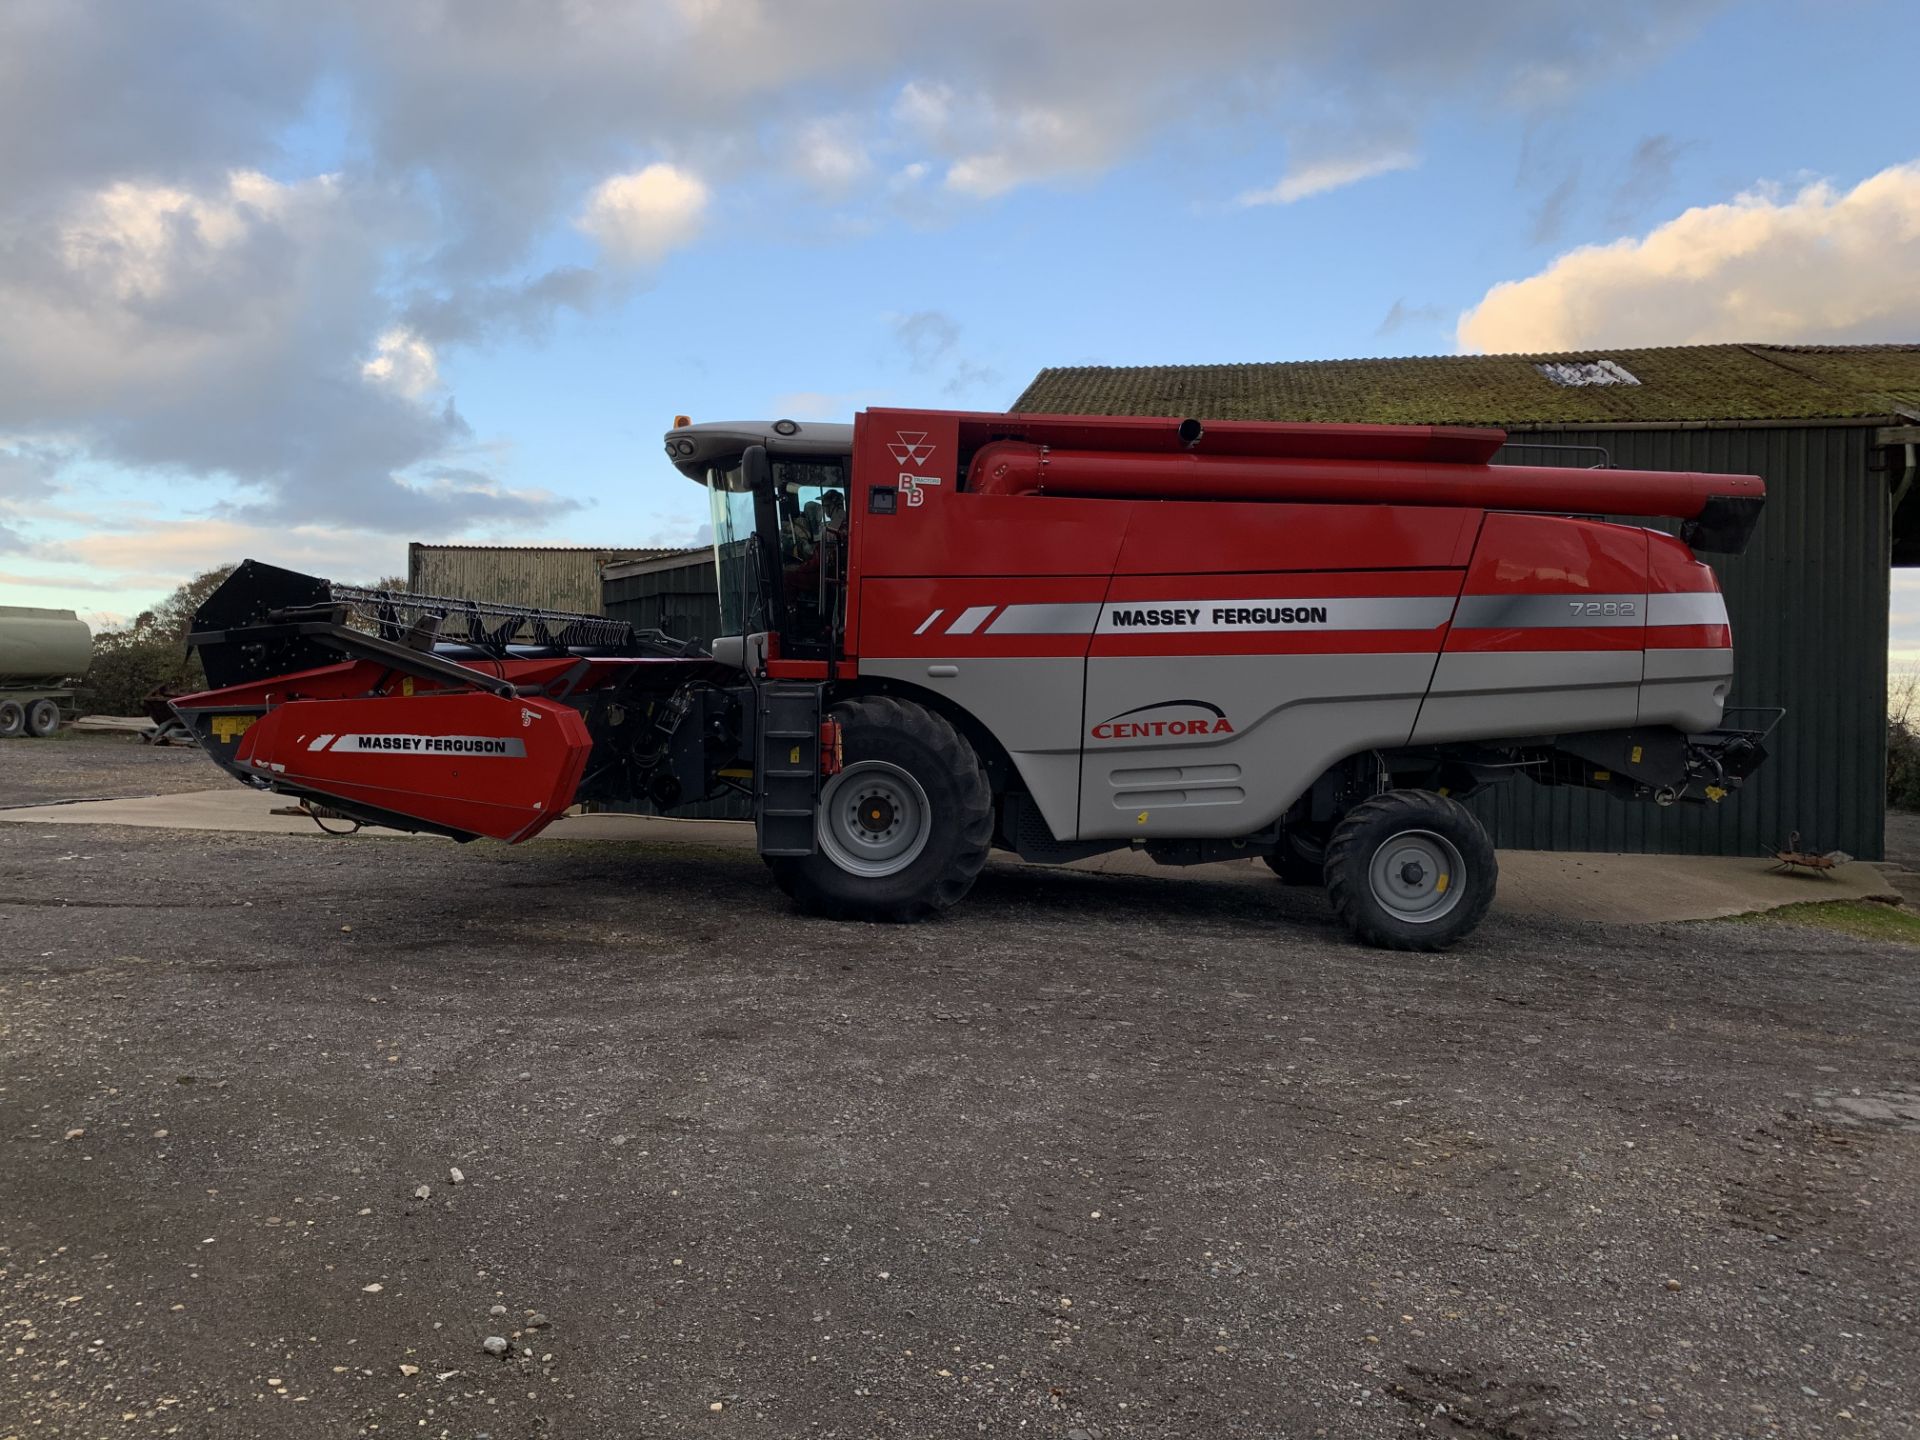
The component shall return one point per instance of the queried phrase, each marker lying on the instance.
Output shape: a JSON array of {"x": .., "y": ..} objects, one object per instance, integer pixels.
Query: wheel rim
[
  {"x": 874, "y": 819},
  {"x": 1417, "y": 876}
]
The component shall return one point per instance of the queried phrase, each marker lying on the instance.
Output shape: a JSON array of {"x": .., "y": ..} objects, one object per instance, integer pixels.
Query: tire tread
[
  {"x": 956, "y": 759},
  {"x": 1349, "y": 852}
]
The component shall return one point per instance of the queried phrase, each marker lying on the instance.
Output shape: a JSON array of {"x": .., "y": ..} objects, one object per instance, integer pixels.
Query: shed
[
  {"x": 673, "y": 591},
  {"x": 1832, "y": 429},
  {"x": 547, "y": 577}
]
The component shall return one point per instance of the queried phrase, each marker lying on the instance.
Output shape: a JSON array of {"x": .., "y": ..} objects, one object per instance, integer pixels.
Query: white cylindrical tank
[{"x": 43, "y": 644}]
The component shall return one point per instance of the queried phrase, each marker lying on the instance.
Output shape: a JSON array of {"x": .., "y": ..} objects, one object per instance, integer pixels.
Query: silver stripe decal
[
  {"x": 927, "y": 623},
  {"x": 970, "y": 619},
  {"x": 1695, "y": 607},
  {"x": 1320, "y": 612},
  {"x": 1067, "y": 619},
  {"x": 1547, "y": 612}
]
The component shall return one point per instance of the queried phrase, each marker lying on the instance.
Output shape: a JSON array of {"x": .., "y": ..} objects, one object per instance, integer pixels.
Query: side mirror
[{"x": 756, "y": 471}]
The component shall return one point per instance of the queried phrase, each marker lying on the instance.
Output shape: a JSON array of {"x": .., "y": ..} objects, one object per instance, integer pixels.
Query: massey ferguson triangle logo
[
  {"x": 1148, "y": 722},
  {"x": 911, "y": 447}
]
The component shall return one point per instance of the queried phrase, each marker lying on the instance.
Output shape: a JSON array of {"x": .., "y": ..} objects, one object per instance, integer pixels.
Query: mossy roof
[{"x": 1676, "y": 384}]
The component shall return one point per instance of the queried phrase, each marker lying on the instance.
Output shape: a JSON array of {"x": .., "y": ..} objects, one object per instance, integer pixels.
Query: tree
[{"x": 149, "y": 653}]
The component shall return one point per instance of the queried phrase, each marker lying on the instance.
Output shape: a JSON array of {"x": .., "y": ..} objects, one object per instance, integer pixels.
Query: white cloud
[
  {"x": 1817, "y": 265},
  {"x": 1318, "y": 177},
  {"x": 1033, "y": 143},
  {"x": 638, "y": 217},
  {"x": 403, "y": 362},
  {"x": 223, "y": 330},
  {"x": 172, "y": 300},
  {"x": 828, "y": 155}
]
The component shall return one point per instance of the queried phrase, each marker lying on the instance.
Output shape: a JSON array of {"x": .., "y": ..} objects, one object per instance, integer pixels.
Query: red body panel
[
  {"x": 1542, "y": 556},
  {"x": 1061, "y": 521}
]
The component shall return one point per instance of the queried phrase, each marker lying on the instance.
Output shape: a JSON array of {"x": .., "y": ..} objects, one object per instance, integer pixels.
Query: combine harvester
[{"x": 1058, "y": 635}]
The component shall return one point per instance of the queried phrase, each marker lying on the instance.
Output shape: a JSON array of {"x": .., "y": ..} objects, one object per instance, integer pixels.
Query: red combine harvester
[{"x": 1059, "y": 635}]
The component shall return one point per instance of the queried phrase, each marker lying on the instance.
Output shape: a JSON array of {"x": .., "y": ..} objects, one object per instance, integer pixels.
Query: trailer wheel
[
  {"x": 1410, "y": 870},
  {"x": 13, "y": 719},
  {"x": 43, "y": 718},
  {"x": 903, "y": 828}
]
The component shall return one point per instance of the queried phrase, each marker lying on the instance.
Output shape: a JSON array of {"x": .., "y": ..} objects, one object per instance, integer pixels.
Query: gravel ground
[
  {"x": 74, "y": 766},
  {"x": 1094, "y": 1157}
]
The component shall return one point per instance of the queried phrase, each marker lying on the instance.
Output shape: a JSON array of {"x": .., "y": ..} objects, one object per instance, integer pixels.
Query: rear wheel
[
  {"x": 904, "y": 828},
  {"x": 1299, "y": 860},
  {"x": 1410, "y": 870},
  {"x": 13, "y": 719},
  {"x": 43, "y": 718}
]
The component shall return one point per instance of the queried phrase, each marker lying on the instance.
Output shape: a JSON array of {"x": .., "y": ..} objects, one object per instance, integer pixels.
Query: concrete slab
[{"x": 1623, "y": 889}]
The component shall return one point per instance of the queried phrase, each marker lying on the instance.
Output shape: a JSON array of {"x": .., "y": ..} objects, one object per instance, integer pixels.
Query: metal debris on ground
[{"x": 1791, "y": 857}]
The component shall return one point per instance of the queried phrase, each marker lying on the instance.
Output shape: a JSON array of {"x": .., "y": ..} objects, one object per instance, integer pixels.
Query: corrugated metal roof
[
  {"x": 627, "y": 552},
  {"x": 645, "y": 564},
  {"x": 1672, "y": 384}
]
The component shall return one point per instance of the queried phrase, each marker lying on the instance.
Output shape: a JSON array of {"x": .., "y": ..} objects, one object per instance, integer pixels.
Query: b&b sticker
[{"x": 497, "y": 746}]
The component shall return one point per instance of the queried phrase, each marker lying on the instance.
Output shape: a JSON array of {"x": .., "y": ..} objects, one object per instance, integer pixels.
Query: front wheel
[
  {"x": 1410, "y": 870},
  {"x": 905, "y": 826}
]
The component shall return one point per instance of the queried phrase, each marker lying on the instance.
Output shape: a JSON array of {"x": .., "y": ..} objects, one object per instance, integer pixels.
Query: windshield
[{"x": 807, "y": 550}]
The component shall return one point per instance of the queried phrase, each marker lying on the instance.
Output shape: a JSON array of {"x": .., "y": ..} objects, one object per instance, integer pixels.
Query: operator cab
[{"x": 779, "y": 496}]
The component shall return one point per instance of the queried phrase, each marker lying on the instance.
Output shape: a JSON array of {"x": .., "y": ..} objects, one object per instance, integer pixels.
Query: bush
[
  {"x": 1903, "y": 742},
  {"x": 130, "y": 663}
]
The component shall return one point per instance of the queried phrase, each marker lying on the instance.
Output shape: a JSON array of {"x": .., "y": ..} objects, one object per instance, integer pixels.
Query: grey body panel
[
  {"x": 1292, "y": 716},
  {"x": 1686, "y": 688},
  {"x": 1489, "y": 695},
  {"x": 1032, "y": 706}
]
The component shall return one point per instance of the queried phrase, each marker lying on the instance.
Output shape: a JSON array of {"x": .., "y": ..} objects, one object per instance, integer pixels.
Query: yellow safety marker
[{"x": 1440, "y": 885}]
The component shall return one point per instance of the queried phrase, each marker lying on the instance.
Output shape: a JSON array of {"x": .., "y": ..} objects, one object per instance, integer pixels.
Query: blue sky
[{"x": 309, "y": 282}]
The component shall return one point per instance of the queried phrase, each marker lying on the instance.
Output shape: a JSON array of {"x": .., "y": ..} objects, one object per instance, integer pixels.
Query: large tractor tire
[
  {"x": 1410, "y": 870},
  {"x": 903, "y": 828},
  {"x": 43, "y": 718},
  {"x": 13, "y": 719}
]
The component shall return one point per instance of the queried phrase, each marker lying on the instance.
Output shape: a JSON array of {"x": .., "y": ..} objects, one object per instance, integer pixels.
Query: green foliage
[
  {"x": 1903, "y": 742},
  {"x": 1866, "y": 919},
  {"x": 149, "y": 653}
]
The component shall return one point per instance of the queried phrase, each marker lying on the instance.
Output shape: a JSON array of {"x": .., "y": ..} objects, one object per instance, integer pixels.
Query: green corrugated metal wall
[
  {"x": 1808, "y": 602},
  {"x": 681, "y": 600}
]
